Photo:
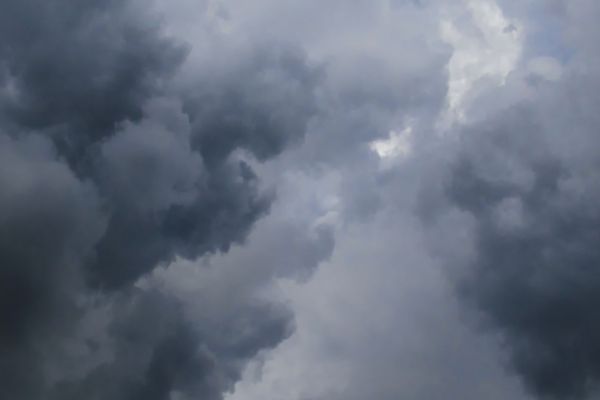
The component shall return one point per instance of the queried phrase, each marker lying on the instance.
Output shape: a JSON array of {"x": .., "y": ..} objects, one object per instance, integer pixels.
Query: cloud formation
[
  {"x": 108, "y": 172},
  {"x": 524, "y": 182},
  {"x": 170, "y": 183}
]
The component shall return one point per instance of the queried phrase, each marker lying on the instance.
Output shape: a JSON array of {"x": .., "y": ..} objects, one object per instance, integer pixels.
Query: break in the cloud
[{"x": 298, "y": 199}]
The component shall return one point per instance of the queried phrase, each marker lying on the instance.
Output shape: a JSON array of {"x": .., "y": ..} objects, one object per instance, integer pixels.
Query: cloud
[
  {"x": 524, "y": 182},
  {"x": 110, "y": 170},
  {"x": 533, "y": 271},
  {"x": 80, "y": 66},
  {"x": 42, "y": 242},
  {"x": 268, "y": 200},
  {"x": 509, "y": 203},
  {"x": 377, "y": 320}
]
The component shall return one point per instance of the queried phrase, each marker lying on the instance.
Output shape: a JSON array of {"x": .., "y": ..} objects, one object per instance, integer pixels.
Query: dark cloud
[
  {"x": 108, "y": 171},
  {"x": 120, "y": 157},
  {"x": 262, "y": 115},
  {"x": 523, "y": 181},
  {"x": 154, "y": 351},
  {"x": 80, "y": 67},
  {"x": 50, "y": 222},
  {"x": 165, "y": 202},
  {"x": 528, "y": 182},
  {"x": 157, "y": 353}
]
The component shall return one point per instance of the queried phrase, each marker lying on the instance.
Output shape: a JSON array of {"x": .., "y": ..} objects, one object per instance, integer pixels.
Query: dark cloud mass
[
  {"x": 527, "y": 179},
  {"x": 133, "y": 169},
  {"x": 261, "y": 115},
  {"x": 97, "y": 61},
  {"x": 147, "y": 363},
  {"x": 106, "y": 172},
  {"x": 524, "y": 181}
]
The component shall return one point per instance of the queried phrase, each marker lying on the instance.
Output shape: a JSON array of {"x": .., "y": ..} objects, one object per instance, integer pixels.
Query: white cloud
[
  {"x": 486, "y": 45},
  {"x": 398, "y": 144}
]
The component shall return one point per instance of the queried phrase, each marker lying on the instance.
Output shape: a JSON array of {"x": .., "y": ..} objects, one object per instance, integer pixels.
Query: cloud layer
[
  {"x": 298, "y": 200},
  {"x": 110, "y": 171}
]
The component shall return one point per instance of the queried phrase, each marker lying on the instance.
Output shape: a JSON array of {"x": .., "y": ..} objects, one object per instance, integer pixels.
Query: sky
[{"x": 299, "y": 200}]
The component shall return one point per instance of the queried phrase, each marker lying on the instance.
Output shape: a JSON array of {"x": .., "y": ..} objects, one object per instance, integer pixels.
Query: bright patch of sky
[
  {"x": 486, "y": 45},
  {"x": 398, "y": 144}
]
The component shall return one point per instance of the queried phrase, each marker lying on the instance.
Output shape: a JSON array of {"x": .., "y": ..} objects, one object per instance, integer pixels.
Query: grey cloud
[
  {"x": 523, "y": 180},
  {"x": 154, "y": 352},
  {"x": 262, "y": 115},
  {"x": 41, "y": 245},
  {"x": 119, "y": 157},
  {"x": 109, "y": 170},
  {"x": 511, "y": 206},
  {"x": 80, "y": 67},
  {"x": 377, "y": 320},
  {"x": 165, "y": 202},
  {"x": 158, "y": 352},
  {"x": 527, "y": 179}
]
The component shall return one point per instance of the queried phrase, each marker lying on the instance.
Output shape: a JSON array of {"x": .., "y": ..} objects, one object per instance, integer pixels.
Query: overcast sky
[{"x": 299, "y": 200}]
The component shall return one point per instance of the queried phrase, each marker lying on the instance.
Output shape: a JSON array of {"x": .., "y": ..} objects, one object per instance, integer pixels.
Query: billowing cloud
[
  {"x": 110, "y": 170},
  {"x": 298, "y": 200},
  {"x": 524, "y": 183}
]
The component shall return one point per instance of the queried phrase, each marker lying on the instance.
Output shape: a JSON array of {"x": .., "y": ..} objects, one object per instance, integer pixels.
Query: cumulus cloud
[
  {"x": 524, "y": 180},
  {"x": 109, "y": 170},
  {"x": 507, "y": 197},
  {"x": 298, "y": 200}
]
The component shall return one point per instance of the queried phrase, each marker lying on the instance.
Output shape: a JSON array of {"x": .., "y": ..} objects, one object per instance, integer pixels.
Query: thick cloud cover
[
  {"x": 170, "y": 181},
  {"x": 508, "y": 197},
  {"x": 525, "y": 182},
  {"x": 109, "y": 171},
  {"x": 533, "y": 199}
]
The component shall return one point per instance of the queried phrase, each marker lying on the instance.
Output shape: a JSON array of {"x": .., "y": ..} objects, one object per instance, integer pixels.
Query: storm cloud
[
  {"x": 525, "y": 182},
  {"x": 299, "y": 200},
  {"x": 536, "y": 233},
  {"x": 108, "y": 172}
]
